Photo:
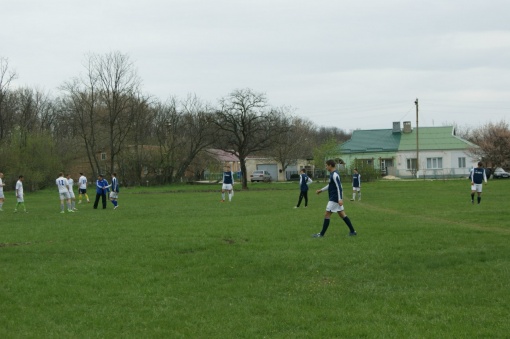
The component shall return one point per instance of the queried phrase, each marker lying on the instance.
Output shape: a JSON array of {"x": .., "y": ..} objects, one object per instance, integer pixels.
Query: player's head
[
  {"x": 100, "y": 176},
  {"x": 303, "y": 170},
  {"x": 480, "y": 164},
  {"x": 81, "y": 173},
  {"x": 114, "y": 174},
  {"x": 60, "y": 174},
  {"x": 1, "y": 175},
  {"x": 331, "y": 163},
  {"x": 356, "y": 170},
  {"x": 227, "y": 167},
  {"x": 20, "y": 178}
]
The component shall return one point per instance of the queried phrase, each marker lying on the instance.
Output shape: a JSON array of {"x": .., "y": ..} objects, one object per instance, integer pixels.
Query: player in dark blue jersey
[
  {"x": 227, "y": 184},
  {"x": 477, "y": 176},
  {"x": 356, "y": 185},
  {"x": 304, "y": 181},
  {"x": 114, "y": 193},
  {"x": 335, "y": 203}
]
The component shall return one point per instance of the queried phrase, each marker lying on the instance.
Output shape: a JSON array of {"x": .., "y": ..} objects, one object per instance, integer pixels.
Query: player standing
[
  {"x": 228, "y": 184},
  {"x": 304, "y": 181},
  {"x": 335, "y": 203},
  {"x": 20, "y": 199},
  {"x": 63, "y": 191},
  {"x": 82, "y": 188},
  {"x": 71, "y": 192},
  {"x": 478, "y": 176},
  {"x": 2, "y": 197},
  {"x": 114, "y": 194},
  {"x": 356, "y": 185}
]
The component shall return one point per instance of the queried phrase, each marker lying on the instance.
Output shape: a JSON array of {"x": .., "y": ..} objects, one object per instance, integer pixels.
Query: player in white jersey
[
  {"x": 71, "y": 192},
  {"x": 82, "y": 188},
  {"x": 2, "y": 197},
  {"x": 63, "y": 190},
  {"x": 20, "y": 198}
]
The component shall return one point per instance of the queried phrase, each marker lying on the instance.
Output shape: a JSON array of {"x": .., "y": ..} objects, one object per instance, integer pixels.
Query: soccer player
[
  {"x": 356, "y": 185},
  {"x": 63, "y": 191},
  {"x": 228, "y": 184},
  {"x": 82, "y": 188},
  {"x": 114, "y": 194},
  {"x": 304, "y": 181},
  {"x": 478, "y": 176},
  {"x": 20, "y": 200},
  {"x": 335, "y": 203},
  {"x": 101, "y": 189},
  {"x": 71, "y": 192},
  {"x": 2, "y": 197}
]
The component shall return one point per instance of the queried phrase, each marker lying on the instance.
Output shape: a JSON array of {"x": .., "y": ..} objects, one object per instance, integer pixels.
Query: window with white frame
[
  {"x": 462, "y": 162},
  {"x": 433, "y": 163},
  {"x": 411, "y": 164},
  {"x": 103, "y": 156}
]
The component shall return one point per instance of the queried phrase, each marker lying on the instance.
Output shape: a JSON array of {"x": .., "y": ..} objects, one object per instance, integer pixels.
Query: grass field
[{"x": 174, "y": 262}]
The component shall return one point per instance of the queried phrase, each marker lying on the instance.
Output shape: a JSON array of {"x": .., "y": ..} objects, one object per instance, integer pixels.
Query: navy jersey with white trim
[
  {"x": 478, "y": 175},
  {"x": 334, "y": 187},
  {"x": 356, "y": 180},
  {"x": 228, "y": 177},
  {"x": 115, "y": 185},
  {"x": 303, "y": 182}
]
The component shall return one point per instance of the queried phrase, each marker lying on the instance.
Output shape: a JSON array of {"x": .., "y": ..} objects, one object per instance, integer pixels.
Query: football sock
[
  {"x": 114, "y": 202},
  {"x": 472, "y": 196},
  {"x": 479, "y": 199},
  {"x": 349, "y": 224},
  {"x": 230, "y": 197},
  {"x": 359, "y": 195},
  {"x": 222, "y": 196},
  {"x": 61, "y": 207},
  {"x": 354, "y": 196},
  {"x": 325, "y": 226}
]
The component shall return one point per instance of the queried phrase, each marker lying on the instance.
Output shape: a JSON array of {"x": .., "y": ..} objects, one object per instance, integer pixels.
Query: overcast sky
[{"x": 350, "y": 64}]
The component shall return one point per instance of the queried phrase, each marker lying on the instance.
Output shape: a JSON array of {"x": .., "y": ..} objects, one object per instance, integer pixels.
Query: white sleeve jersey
[{"x": 62, "y": 184}]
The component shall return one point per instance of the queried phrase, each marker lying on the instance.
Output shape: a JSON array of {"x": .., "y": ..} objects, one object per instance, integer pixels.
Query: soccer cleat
[
  {"x": 295, "y": 207},
  {"x": 75, "y": 209},
  {"x": 70, "y": 211},
  {"x": 351, "y": 234},
  {"x": 62, "y": 212},
  {"x": 352, "y": 199},
  {"x": 15, "y": 211},
  {"x": 79, "y": 202},
  {"x": 116, "y": 207},
  {"x": 1, "y": 210},
  {"x": 317, "y": 235}
]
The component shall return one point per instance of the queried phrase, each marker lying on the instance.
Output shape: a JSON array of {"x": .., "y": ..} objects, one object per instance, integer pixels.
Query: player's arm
[
  {"x": 320, "y": 190},
  {"x": 339, "y": 190}
]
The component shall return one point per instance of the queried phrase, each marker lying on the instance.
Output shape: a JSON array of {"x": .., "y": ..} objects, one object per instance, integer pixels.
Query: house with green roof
[{"x": 440, "y": 152}]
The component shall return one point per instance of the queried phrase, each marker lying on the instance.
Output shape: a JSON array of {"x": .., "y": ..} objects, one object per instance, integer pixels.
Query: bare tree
[
  {"x": 293, "y": 140},
  {"x": 493, "y": 141},
  {"x": 83, "y": 105},
  {"x": 244, "y": 126},
  {"x": 119, "y": 85},
  {"x": 6, "y": 113}
]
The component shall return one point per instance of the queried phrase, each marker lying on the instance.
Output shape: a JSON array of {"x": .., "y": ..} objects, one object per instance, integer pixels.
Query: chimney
[
  {"x": 407, "y": 127},
  {"x": 396, "y": 127}
]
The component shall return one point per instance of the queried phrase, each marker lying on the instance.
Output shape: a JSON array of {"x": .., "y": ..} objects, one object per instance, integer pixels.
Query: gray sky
[{"x": 350, "y": 64}]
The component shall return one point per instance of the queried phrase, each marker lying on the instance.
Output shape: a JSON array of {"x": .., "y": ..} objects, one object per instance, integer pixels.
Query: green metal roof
[
  {"x": 367, "y": 141},
  {"x": 433, "y": 138}
]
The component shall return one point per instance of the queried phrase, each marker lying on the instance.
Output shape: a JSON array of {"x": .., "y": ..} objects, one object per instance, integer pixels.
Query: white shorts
[
  {"x": 477, "y": 188},
  {"x": 114, "y": 195},
  {"x": 64, "y": 196},
  {"x": 356, "y": 189},
  {"x": 71, "y": 195},
  {"x": 20, "y": 199},
  {"x": 226, "y": 187},
  {"x": 2, "y": 195},
  {"x": 334, "y": 207}
]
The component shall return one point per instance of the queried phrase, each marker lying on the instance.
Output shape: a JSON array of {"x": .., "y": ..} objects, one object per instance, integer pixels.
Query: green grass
[{"x": 176, "y": 263}]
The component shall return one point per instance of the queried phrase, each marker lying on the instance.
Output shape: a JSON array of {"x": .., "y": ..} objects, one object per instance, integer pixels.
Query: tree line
[{"x": 105, "y": 110}]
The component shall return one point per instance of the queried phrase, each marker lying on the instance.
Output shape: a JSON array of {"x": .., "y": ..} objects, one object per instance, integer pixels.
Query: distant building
[{"x": 393, "y": 151}]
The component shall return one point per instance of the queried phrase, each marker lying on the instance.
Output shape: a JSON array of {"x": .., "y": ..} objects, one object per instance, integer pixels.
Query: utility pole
[{"x": 417, "y": 145}]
